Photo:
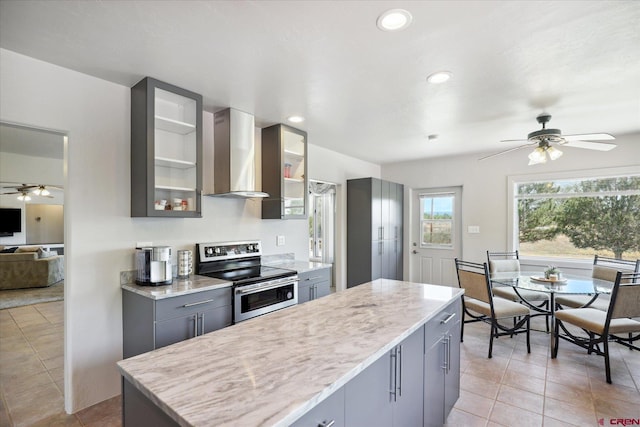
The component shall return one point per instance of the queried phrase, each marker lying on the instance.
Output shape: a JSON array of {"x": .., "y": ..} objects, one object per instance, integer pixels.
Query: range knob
[
  {"x": 217, "y": 251},
  {"x": 208, "y": 251},
  {"x": 249, "y": 248}
]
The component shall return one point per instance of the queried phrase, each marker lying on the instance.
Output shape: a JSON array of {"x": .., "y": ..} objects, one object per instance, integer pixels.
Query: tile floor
[{"x": 513, "y": 388}]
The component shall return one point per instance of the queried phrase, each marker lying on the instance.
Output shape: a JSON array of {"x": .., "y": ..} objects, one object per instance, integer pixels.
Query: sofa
[{"x": 31, "y": 267}]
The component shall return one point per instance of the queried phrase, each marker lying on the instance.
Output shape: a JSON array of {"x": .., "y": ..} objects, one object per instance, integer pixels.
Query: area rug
[{"x": 19, "y": 297}]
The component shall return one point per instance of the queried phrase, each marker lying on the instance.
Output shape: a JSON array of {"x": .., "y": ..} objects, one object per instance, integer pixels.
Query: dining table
[{"x": 566, "y": 284}]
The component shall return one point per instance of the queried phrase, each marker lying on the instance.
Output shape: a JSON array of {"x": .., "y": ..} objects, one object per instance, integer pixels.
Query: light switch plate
[
  {"x": 143, "y": 244},
  {"x": 473, "y": 229},
  {"x": 280, "y": 241}
]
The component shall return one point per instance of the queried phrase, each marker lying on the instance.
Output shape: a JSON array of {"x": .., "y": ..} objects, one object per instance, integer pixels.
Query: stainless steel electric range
[{"x": 257, "y": 289}]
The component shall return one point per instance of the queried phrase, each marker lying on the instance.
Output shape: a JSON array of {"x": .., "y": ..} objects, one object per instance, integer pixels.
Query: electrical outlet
[
  {"x": 143, "y": 244},
  {"x": 473, "y": 229},
  {"x": 279, "y": 240}
]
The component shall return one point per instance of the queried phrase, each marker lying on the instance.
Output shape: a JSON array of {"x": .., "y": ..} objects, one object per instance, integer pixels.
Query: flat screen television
[{"x": 10, "y": 220}]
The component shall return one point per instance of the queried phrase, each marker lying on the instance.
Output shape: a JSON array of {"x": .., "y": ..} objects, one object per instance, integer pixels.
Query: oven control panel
[{"x": 229, "y": 250}]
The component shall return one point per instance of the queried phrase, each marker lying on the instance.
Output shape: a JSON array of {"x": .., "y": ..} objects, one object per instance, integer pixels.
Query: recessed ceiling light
[
  {"x": 295, "y": 119},
  {"x": 439, "y": 77},
  {"x": 432, "y": 137},
  {"x": 394, "y": 20}
]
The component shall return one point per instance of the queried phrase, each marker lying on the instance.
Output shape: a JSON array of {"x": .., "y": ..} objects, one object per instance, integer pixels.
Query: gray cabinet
[
  {"x": 166, "y": 150},
  {"x": 390, "y": 391},
  {"x": 149, "y": 324},
  {"x": 374, "y": 230},
  {"x": 442, "y": 365},
  {"x": 284, "y": 172},
  {"x": 329, "y": 412},
  {"x": 314, "y": 284}
]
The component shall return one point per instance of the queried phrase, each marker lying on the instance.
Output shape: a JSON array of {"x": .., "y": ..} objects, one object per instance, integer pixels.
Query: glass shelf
[
  {"x": 174, "y": 163},
  {"x": 174, "y": 126}
]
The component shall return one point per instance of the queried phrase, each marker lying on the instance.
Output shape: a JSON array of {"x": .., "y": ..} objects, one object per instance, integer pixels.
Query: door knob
[{"x": 414, "y": 252}]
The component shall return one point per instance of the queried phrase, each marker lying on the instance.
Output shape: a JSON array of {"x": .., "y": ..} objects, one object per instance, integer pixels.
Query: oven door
[{"x": 261, "y": 298}]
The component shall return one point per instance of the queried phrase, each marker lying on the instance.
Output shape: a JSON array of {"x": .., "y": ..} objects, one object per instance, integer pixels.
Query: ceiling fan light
[
  {"x": 554, "y": 153},
  {"x": 24, "y": 197},
  {"x": 537, "y": 156}
]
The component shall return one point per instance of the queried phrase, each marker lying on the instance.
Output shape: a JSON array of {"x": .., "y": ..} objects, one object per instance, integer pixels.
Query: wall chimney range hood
[{"x": 234, "y": 173}]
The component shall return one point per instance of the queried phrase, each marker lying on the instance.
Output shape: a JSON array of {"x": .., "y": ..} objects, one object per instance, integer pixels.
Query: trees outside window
[{"x": 579, "y": 218}]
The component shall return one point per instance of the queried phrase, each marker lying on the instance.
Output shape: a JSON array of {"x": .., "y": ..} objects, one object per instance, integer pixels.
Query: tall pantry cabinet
[{"x": 374, "y": 230}]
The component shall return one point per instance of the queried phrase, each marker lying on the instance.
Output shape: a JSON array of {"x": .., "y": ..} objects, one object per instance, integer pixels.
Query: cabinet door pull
[
  {"x": 449, "y": 354},
  {"x": 197, "y": 303},
  {"x": 195, "y": 325},
  {"x": 445, "y": 321},
  {"x": 400, "y": 372},
  {"x": 313, "y": 278},
  {"x": 202, "y": 324},
  {"x": 392, "y": 375},
  {"x": 445, "y": 341},
  {"x": 327, "y": 423},
  {"x": 310, "y": 292}
]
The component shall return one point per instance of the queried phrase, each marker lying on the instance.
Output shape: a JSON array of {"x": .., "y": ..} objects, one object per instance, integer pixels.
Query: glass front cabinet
[
  {"x": 284, "y": 172},
  {"x": 166, "y": 150}
]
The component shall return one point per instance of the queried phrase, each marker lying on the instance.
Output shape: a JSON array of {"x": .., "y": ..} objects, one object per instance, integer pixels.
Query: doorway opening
[{"x": 322, "y": 223}]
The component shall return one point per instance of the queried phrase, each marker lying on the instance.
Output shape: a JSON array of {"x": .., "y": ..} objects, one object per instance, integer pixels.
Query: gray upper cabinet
[
  {"x": 374, "y": 230},
  {"x": 284, "y": 172},
  {"x": 166, "y": 150}
]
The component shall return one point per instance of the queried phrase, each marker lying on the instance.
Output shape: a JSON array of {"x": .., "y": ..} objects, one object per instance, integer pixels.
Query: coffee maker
[{"x": 153, "y": 266}]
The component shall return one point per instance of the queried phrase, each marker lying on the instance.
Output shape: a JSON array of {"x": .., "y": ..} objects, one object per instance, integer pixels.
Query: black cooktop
[{"x": 251, "y": 275}]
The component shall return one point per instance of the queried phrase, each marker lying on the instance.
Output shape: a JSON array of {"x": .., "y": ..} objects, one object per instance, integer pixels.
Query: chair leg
[
  {"x": 607, "y": 366},
  {"x": 546, "y": 318},
  {"x": 462, "y": 329},
  {"x": 491, "y": 340},
  {"x": 556, "y": 337},
  {"x": 528, "y": 330}
]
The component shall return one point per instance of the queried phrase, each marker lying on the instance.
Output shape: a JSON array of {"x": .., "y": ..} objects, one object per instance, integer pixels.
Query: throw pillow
[
  {"x": 45, "y": 254},
  {"x": 9, "y": 250},
  {"x": 28, "y": 249}
]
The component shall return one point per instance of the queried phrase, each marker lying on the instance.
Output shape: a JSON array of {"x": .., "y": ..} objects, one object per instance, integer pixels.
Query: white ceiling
[
  {"x": 363, "y": 91},
  {"x": 31, "y": 142}
]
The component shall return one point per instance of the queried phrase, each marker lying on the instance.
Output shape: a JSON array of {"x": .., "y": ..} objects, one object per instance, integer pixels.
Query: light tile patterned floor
[
  {"x": 513, "y": 388},
  {"x": 516, "y": 388}
]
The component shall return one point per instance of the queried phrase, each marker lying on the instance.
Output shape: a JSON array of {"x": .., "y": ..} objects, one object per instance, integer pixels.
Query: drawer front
[
  {"x": 435, "y": 328},
  {"x": 192, "y": 303},
  {"x": 314, "y": 276}
]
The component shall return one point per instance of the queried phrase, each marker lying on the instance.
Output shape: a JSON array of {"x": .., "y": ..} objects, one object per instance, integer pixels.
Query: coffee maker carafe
[{"x": 154, "y": 266}]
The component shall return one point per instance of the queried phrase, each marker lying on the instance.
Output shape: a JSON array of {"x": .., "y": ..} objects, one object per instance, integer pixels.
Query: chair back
[
  {"x": 503, "y": 262},
  {"x": 605, "y": 268},
  {"x": 625, "y": 296},
  {"x": 472, "y": 277}
]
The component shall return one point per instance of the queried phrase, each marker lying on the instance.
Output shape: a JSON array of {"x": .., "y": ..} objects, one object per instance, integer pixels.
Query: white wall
[
  {"x": 100, "y": 235},
  {"x": 484, "y": 194}
]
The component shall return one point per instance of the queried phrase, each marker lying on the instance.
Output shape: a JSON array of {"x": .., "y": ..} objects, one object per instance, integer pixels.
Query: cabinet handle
[
  {"x": 400, "y": 372},
  {"x": 195, "y": 325},
  {"x": 392, "y": 375},
  {"x": 380, "y": 233},
  {"x": 197, "y": 303},
  {"x": 310, "y": 292},
  {"x": 313, "y": 278},
  {"x": 445, "y": 341},
  {"x": 449, "y": 354},
  {"x": 327, "y": 423},
  {"x": 380, "y": 248},
  {"x": 445, "y": 321},
  {"x": 202, "y": 324}
]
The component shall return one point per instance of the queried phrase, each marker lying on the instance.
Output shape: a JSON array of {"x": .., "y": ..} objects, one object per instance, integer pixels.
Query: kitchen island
[{"x": 277, "y": 369}]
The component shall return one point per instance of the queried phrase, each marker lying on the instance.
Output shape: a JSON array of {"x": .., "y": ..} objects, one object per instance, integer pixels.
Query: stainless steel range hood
[{"x": 234, "y": 173}]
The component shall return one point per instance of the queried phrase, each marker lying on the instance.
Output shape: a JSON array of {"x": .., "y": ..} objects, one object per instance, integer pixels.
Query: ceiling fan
[
  {"x": 25, "y": 189},
  {"x": 547, "y": 141}
]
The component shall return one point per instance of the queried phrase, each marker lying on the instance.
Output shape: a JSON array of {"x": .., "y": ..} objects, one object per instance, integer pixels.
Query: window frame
[
  {"x": 512, "y": 211},
  {"x": 450, "y": 194}
]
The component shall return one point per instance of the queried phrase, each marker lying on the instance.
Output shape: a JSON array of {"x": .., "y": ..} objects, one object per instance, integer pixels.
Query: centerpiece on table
[{"x": 552, "y": 273}]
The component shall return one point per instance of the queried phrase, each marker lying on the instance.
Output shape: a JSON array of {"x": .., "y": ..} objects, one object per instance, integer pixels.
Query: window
[
  {"x": 578, "y": 217},
  {"x": 436, "y": 220}
]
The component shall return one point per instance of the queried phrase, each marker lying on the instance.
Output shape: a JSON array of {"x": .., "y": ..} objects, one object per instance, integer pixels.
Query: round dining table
[{"x": 567, "y": 284}]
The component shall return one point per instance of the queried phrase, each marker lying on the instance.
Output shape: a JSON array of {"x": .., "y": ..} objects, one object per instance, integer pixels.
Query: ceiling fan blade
[
  {"x": 589, "y": 145},
  {"x": 14, "y": 192},
  {"x": 514, "y": 140},
  {"x": 507, "y": 151},
  {"x": 589, "y": 137}
]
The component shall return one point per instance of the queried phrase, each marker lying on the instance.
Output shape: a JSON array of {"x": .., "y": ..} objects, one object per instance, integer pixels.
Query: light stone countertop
[
  {"x": 270, "y": 370},
  {"x": 299, "y": 266},
  {"x": 194, "y": 283}
]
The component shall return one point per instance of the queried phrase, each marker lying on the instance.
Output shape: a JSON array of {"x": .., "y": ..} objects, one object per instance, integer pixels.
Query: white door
[{"x": 436, "y": 235}]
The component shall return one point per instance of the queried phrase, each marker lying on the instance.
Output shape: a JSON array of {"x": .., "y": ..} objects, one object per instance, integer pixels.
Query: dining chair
[
  {"x": 603, "y": 326},
  {"x": 478, "y": 298},
  {"x": 604, "y": 268},
  {"x": 507, "y": 262}
]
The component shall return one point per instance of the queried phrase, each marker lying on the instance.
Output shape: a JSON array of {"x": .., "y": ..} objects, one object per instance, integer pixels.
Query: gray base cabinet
[
  {"x": 389, "y": 392},
  {"x": 149, "y": 324},
  {"x": 314, "y": 284},
  {"x": 442, "y": 365},
  {"x": 329, "y": 412}
]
